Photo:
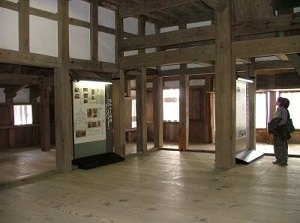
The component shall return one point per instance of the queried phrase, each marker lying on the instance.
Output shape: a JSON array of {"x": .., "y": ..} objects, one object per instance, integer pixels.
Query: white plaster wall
[
  {"x": 79, "y": 10},
  {"x": 46, "y": 5},
  {"x": 43, "y": 36},
  {"x": 79, "y": 42},
  {"x": 106, "y": 17},
  {"x": 22, "y": 96},
  {"x": 150, "y": 28},
  {"x": 2, "y": 95},
  {"x": 131, "y": 25},
  {"x": 198, "y": 24},
  {"x": 9, "y": 30},
  {"x": 168, "y": 29},
  {"x": 106, "y": 47},
  {"x": 197, "y": 82},
  {"x": 171, "y": 84}
]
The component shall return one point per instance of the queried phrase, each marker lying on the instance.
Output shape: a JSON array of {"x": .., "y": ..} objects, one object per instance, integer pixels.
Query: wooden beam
[
  {"x": 96, "y": 66},
  {"x": 31, "y": 59},
  {"x": 185, "y": 55},
  {"x": 19, "y": 79},
  {"x": 218, "y": 5},
  {"x": 151, "y": 6},
  {"x": 284, "y": 22},
  {"x": 295, "y": 61},
  {"x": 266, "y": 47},
  {"x": 9, "y": 5},
  {"x": 275, "y": 24},
  {"x": 169, "y": 38}
]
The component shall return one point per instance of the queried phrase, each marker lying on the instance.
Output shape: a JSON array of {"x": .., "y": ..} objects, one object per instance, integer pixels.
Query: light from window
[
  {"x": 261, "y": 110},
  {"x": 23, "y": 114},
  {"x": 171, "y": 105},
  {"x": 133, "y": 113},
  {"x": 294, "y": 107}
]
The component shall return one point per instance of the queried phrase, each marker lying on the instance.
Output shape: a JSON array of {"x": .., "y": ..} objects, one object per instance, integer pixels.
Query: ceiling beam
[
  {"x": 152, "y": 6},
  {"x": 295, "y": 61},
  {"x": 218, "y": 5},
  {"x": 241, "y": 49}
]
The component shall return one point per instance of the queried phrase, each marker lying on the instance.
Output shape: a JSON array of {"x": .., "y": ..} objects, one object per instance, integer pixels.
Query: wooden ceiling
[{"x": 175, "y": 12}]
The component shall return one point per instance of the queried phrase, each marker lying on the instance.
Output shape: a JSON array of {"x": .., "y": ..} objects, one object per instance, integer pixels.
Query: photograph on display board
[{"x": 89, "y": 112}]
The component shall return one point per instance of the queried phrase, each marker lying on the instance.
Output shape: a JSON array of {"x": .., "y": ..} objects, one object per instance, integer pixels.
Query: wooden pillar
[
  {"x": 225, "y": 90},
  {"x": 183, "y": 109},
  {"x": 271, "y": 98},
  {"x": 207, "y": 107},
  {"x": 45, "y": 116},
  {"x": 94, "y": 30},
  {"x": 118, "y": 114},
  {"x": 24, "y": 26},
  {"x": 251, "y": 109},
  {"x": 62, "y": 91},
  {"x": 141, "y": 111},
  {"x": 158, "y": 111}
]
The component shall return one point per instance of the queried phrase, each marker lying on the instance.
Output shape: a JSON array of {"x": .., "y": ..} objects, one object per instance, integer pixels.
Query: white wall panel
[
  {"x": 106, "y": 17},
  {"x": 2, "y": 95},
  {"x": 46, "y": 5},
  {"x": 131, "y": 25},
  {"x": 106, "y": 47},
  {"x": 79, "y": 10},
  {"x": 43, "y": 36},
  {"x": 9, "y": 26},
  {"x": 79, "y": 42},
  {"x": 150, "y": 28},
  {"x": 22, "y": 96}
]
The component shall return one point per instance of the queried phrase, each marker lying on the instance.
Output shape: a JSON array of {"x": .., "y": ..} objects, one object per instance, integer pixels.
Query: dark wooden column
[
  {"x": 251, "y": 108},
  {"x": 118, "y": 114},
  {"x": 158, "y": 111},
  {"x": 45, "y": 115},
  {"x": 183, "y": 109},
  {"x": 24, "y": 26},
  {"x": 207, "y": 107},
  {"x": 62, "y": 91},
  {"x": 141, "y": 111},
  {"x": 225, "y": 90}
]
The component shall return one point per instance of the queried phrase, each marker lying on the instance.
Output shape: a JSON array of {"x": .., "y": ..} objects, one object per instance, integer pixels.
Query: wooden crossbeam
[{"x": 295, "y": 61}]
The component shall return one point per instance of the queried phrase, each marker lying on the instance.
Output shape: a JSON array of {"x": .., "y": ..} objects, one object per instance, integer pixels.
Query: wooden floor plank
[{"x": 162, "y": 186}]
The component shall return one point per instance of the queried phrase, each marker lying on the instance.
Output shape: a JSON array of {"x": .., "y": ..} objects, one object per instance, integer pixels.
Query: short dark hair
[{"x": 284, "y": 102}]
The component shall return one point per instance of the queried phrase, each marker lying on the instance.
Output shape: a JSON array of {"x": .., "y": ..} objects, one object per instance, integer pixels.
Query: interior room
[{"x": 111, "y": 95}]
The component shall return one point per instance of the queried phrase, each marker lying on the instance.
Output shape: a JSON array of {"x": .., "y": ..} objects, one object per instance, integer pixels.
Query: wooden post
[
  {"x": 251, "y": 109},
  {"x": 62, "y": 91},
  {"x": 225, "y": 90},
  {"x": 94, "y": 30},
  {"x": 118, "y": 115},
  {"x": 45, "y": 116},
  {"x": 24, "y": 26},
  {"x": 207, "y": 108},
  {"x": 158, "y": 111},
  {"x": 183, "y": 109},
  {"x": 141, "y": 111}
]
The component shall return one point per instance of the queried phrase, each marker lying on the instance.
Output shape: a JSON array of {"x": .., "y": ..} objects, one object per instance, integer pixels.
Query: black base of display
[
  {"x": 97, "y": 160},
  {"x": 247, "y": 156}
]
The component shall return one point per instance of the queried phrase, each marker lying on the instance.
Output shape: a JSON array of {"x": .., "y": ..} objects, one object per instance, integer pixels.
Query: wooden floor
[{"x": 161, "y": 187}]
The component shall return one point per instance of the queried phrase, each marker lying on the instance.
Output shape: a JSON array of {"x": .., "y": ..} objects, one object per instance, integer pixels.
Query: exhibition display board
[{"x": 92, "y": 118}]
